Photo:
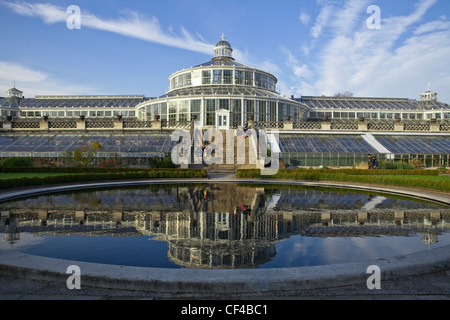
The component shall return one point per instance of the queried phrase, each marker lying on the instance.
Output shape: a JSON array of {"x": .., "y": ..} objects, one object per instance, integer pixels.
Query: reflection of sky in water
[
  {"x": 131, "y": 251},
  {"x": 300, "y": 251},
  {"x": 26, "y": 240},
  {"x": 296, "y": 251}
]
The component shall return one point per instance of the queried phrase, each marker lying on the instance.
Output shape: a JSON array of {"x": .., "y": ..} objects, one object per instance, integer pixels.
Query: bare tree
[{"x": 346, "y": 94}]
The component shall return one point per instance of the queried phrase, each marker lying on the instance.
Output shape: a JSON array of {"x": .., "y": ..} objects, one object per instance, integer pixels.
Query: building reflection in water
[{"x": 222, "y": 225}]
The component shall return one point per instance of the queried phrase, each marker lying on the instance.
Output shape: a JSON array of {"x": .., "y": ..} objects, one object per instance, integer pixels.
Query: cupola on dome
[{"x": 223, "y": 50}]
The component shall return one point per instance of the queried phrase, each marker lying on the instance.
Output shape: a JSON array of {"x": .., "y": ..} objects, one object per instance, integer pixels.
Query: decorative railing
[
  {"x": 344, "y": 126},
  {"x": 416, "y": 127},
  {"x": 174, "y": 124},
  {"x": 269, "y": 124},
  {"x": 62, "y": 124},
  {"x": 307, "y": 125},
  {"x": 129, "y": 124},
  {"x": 137, "y": 124},
  {"x": 25, "y": 125},
  {"x": 99, "y": 125},
  {"x": 380, "y": 126},
  {"x": 445, "y": 127}
]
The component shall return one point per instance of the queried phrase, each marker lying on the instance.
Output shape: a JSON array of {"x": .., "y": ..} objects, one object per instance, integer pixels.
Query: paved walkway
[{"x": 435, "y": 286}]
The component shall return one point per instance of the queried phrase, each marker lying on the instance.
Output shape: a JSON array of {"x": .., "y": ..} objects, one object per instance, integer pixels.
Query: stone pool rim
[
  {"x": 199, "y": 282},
  {"x": 428, "y": 195}
]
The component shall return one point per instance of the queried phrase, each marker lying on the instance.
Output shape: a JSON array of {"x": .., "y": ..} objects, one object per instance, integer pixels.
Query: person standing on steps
[
  {"x": 375, "y": 162},
  {"x": 371, "y": 162}
]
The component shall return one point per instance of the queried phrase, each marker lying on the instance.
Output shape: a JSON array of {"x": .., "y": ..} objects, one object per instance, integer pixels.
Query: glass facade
[
  {"x": 226, "y": 77},
  {"x": 54, "y": 145},
  {"x": 222, "y": 84},
  {"x": 243, "y": 90}
]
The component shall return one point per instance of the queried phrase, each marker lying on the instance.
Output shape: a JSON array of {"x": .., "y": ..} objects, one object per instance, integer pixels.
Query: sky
[{"x": 371, "y": 48}]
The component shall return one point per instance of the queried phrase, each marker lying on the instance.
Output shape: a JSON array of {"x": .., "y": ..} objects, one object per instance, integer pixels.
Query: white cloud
[
  {"x": 35, "y": 82},
  {"x": 433, "y": 26},
  {"x": 396, "y": 61},
  {"x": 301, "y": 71},
  {"x": 134, "y": 25},
  {"x": 321, "y": 21},
  {"x": 347, "y": 17},
  {"x": 268, "y": 66},
  {"x": 10, "y": 71},
  {"x": 304, "y": 18}
]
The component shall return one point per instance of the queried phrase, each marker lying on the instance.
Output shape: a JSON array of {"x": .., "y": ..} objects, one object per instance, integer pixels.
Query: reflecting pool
[{"x": 224, "y": 225}]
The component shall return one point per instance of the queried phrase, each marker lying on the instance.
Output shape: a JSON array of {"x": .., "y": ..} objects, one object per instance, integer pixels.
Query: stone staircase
[
  {"x": 223, "y": 169},
  {"x": 230, "y": 169}
]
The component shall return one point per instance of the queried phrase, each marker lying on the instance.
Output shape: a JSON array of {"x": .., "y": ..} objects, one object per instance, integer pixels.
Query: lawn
[
  {"x": 434, "y": 178},
  {"x": 15, "y": 175},
  {"x": 401, "y": 178}
]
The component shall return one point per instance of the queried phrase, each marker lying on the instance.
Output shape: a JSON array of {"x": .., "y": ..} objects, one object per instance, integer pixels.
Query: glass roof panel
[
  {"x": 324, "y": 144},
  {"x": 416, "y": 144},
  {"x": 111, "y": 142}
]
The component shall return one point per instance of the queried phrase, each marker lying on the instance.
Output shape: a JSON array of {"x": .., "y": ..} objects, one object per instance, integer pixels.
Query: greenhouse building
[{"x": 312, "y": 131}]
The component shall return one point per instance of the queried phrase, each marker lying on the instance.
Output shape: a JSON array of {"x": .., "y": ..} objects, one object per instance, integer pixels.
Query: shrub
[
  {"x": 16, "y": 162},
  {"x": 417, "y": 163},
  {"x": 386, "y": 177},
  {"x": 157, "y": 162},
  {"x": 148, "y": 174},
  {"x": 107, "y": 164}
]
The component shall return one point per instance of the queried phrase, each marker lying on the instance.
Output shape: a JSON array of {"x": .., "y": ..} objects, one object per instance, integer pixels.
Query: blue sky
[{"x": 314, "y": 47}]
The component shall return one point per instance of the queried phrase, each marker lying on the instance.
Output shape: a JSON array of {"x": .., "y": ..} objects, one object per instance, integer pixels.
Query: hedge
[
  {"x": 16, "y": 162},
  {"x": 135, "y": 175},
  {"x": 384, "y": 177},
  {"x": 80, "y": 170},
  {"x": 289, "y": 173}
]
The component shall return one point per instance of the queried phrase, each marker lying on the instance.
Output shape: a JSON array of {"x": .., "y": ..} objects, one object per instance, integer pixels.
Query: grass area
[
  {"x": 18, "y": 178},
  {"x": 418, "y": 179},
  {"x": 16, "y": 175},
  {"x": 436, "y": 178}
]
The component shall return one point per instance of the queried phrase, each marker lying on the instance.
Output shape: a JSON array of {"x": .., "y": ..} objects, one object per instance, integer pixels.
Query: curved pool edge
[
  {"x": 178, "y": 282},
  {"x": 430, "y": 195}
]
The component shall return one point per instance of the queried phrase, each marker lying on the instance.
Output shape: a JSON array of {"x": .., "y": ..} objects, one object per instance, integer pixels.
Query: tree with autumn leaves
[{"x": 83, "y": 156}]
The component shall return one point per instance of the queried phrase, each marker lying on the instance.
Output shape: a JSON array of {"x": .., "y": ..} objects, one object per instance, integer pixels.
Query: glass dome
[
  {"x": 222, "y": 87},
  {"x": 222, "y": 70}
]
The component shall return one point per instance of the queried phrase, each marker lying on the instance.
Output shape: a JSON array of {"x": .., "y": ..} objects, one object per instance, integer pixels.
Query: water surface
[{"x": 221, "y": 226}]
